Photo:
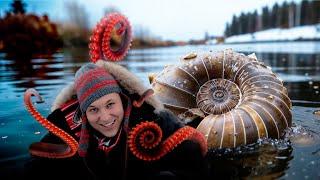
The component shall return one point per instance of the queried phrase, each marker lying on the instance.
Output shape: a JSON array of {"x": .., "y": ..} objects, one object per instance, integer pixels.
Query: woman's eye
[
  {"x": 94, "y": 110},
  {"x": 109, "y": 105}
]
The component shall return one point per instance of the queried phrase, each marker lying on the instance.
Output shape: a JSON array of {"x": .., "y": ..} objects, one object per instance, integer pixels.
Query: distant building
[{"x": 213, "y": 39}]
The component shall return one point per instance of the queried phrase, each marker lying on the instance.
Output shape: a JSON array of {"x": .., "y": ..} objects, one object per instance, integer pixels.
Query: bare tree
[
  {"x": 111, "y": 9},
  {"x": 142, "y": 32},
  {"x": 77, "y": 14},
  {"x": 291, "y": 14}
]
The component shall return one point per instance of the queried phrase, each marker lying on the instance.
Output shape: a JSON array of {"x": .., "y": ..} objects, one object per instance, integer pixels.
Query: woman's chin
[{"x": 110, "y": 132}]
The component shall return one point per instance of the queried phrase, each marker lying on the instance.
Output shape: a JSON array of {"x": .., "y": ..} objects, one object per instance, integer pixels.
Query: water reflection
[
  {"x": 26, "y": 73},
  {"x": 300, "y": 73},
  {"x": 265, "y": 159}
]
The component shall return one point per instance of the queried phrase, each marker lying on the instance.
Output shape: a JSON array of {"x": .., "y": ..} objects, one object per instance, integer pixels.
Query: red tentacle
[
  {"x": 46, "y": 149},
  {"x": 146, "y": 136},
  {"x": 102, "y": 33}
]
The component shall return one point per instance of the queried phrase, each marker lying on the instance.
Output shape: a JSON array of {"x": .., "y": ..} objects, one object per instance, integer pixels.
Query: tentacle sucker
[{"x": 46, "y": 149}]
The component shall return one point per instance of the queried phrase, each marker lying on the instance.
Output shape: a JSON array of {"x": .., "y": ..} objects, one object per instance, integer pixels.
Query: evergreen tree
[
  {"x": 278, "y": 17},
  {"x": 234, "y": 26},
  {"x": 284, "y": 13},
  {"x": 316, "y": 9},
  {"x": 274, "y": 16},
  {"x": 254, "y": 19},
  {"x": 265, "y": 18},
  {"x": 243, "y": 23},
  {"x": 227, "y": 31},
  {"x": 18, "y": 7},
  {"x": 314, "y": 12},
  {"x": 304, "y": 13},
  {"x": 252, "y": 22}
]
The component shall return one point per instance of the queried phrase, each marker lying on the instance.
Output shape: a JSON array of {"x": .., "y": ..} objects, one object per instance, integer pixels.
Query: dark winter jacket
[{"x": 186, "y": 161}]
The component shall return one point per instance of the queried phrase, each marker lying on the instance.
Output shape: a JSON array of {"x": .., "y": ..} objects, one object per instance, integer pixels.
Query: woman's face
[{"x": 106, "y": 114}]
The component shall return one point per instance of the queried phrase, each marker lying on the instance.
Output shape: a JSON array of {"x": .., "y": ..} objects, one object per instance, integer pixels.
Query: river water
[{"x": 297, "y": 64}]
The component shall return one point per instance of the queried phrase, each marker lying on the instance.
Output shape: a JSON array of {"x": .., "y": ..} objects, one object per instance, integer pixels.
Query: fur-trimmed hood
[{"x": 125, "y": 78}]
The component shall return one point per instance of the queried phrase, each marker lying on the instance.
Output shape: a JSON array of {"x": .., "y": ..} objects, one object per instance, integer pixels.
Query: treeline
[
  {"x": 26, "y": 34},
  {"x": 286, "y": 15}
]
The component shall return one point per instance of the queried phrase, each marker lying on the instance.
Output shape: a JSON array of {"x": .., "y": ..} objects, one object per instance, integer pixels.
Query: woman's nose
[{"x": 105, "y": 114}]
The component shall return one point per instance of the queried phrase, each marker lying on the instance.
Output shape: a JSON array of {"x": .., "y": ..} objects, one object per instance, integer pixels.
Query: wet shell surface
[{"x": 238, "y": 98}]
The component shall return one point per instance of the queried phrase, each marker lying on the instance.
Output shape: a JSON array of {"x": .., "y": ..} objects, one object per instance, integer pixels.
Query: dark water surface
[{"x": 297, "y": 64}]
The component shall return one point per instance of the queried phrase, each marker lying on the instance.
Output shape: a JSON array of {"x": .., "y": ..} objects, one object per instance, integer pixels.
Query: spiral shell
[{"x": 239, "y": 98}]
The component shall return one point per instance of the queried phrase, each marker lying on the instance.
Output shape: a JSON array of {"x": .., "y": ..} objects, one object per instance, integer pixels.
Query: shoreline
[{"x": 273, "y": 41}]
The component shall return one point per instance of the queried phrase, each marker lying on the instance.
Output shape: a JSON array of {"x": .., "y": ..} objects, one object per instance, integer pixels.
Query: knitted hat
[{"x": 93, "y": 82}]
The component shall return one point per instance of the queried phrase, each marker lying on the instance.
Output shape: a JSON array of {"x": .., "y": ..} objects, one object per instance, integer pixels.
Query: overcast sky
[{"x": 168, "y": 19}]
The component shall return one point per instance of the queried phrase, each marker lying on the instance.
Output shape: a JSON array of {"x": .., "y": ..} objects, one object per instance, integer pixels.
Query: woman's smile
[{"x": 109, "y": 124}]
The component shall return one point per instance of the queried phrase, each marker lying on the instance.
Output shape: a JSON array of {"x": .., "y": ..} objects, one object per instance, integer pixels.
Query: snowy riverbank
[{"x": 310, "y": 32}]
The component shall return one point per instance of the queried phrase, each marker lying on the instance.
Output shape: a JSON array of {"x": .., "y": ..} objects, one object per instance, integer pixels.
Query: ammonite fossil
[{"x": 238, "y": 98}]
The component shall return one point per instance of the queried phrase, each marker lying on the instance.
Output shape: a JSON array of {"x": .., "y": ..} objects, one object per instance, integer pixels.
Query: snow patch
[{"x": 278, "y": 34}]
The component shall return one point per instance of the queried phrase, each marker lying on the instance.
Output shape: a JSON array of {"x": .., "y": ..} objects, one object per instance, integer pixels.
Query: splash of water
[{"x": 301, "y": 136}]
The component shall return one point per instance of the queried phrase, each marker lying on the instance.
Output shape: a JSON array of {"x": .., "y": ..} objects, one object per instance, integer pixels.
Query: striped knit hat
[{"x": 93, "y": 82}]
